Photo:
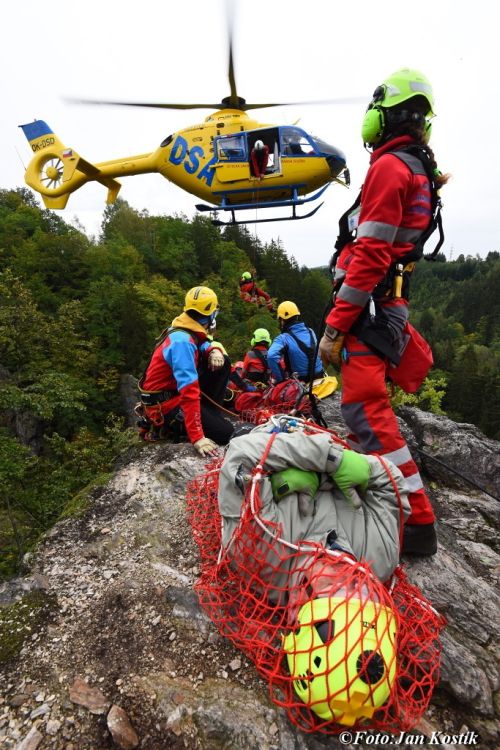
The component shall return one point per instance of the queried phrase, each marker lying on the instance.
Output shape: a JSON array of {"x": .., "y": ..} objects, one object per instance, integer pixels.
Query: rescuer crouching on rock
[{"x": 186, "y": 379}]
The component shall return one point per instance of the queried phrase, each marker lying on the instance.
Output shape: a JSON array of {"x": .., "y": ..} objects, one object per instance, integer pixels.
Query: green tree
[{"x": 15, "y": 463}]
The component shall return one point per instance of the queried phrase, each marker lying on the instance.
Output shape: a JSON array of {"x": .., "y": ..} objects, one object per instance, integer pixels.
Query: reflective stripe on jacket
[{"x": 395, "y": 210}]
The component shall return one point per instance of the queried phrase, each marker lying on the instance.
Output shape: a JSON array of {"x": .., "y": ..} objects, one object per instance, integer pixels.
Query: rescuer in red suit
[
  {"x": 250, "y": 292},
  {"x": 259, "y": 157},
  {"x": 371, "y": 279}
]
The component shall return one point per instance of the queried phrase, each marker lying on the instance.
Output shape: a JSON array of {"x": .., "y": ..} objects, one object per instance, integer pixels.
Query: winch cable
[{"x": 314, "y": 405}]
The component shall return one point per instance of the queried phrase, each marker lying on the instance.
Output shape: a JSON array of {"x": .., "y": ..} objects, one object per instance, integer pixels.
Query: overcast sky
[{"x": 285, "y": 50}]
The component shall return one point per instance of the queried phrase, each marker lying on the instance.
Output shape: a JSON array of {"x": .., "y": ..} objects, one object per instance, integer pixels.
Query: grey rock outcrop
[
  {"x": 129, "y": 395},
  {"x": 124, "y": 619},
  {"x": 462, "y": 447}
]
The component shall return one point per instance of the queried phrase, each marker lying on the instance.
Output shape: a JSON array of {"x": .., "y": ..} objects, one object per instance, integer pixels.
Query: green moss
[
  {"x": 20, "y": 620},
  {"x": 80, "y": 502}
]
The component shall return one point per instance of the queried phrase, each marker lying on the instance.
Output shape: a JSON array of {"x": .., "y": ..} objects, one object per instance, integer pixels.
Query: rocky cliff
[{"x": 104, "y": 644}]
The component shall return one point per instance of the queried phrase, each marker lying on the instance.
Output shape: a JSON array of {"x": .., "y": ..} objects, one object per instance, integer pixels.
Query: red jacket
[
  {"x": 254, "y": 369},
  {"x": 395, "y": 209},
  {"x": 174, "y": 367},
  {"x": 251, "y": 288},
  {"x": 258, "y": 161}
]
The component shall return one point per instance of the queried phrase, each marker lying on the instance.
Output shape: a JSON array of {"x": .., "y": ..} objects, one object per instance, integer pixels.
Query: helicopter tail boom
[{"x": 56, "y": 171}]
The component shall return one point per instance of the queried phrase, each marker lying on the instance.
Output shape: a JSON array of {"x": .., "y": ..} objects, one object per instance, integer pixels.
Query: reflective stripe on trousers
[{"x": 367, "y": 411}]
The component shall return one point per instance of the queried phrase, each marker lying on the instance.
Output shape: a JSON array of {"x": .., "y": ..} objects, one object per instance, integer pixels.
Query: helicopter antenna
[{"x": 20, "y": 158}]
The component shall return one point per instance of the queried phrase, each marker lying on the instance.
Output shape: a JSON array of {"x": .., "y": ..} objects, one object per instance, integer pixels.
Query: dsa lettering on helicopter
[{"x": 179, "y": 153}]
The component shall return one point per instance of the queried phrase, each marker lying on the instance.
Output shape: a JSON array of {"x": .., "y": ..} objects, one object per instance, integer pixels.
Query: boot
[{"x": 419, "y": 540}]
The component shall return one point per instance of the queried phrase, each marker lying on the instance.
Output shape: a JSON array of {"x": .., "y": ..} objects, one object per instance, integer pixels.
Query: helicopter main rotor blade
[
  {"x": 343, "y": 100},
  {"x": 227, "y": 103},
  {"x": 153, "y": 105},
  {"x": 233, "y": 98}
]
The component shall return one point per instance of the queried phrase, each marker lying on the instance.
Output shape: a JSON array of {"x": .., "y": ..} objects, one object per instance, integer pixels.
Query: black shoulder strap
[
  {"x": 311, "y": 353},
  {"x": 307, "y": 350},
  {"x": 408, "y": 154},
  {"x": 345, "y": 234},
  {"x": 260, "y": 355}
]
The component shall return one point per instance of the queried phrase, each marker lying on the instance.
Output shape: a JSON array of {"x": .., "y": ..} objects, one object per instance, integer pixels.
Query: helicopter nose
[{"x": 336, "y": 162}]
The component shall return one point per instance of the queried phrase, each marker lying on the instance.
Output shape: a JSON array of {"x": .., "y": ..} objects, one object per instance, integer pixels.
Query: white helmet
[{"x": 258, "y": 145}]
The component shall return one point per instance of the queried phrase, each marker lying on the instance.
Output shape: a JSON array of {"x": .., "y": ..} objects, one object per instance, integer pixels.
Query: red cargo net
[
  {"x": 263, "y": 413},
  {"x": 336, "y": 646},
  {"x": 289, "y": 397}
]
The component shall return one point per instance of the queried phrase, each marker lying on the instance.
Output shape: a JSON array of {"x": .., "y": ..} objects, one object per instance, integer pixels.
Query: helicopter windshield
[
  {"x": 295, "y": 142},
  {"x": 326, "y": 149}
]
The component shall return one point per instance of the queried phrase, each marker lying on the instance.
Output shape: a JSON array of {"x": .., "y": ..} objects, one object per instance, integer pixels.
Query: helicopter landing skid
[
  {"x": 292, "y": 202},
  {"x": 218, "y": 223}
]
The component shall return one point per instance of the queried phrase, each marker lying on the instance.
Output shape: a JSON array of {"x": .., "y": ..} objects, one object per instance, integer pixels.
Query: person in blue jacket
[{"x": 295, "y": 346}]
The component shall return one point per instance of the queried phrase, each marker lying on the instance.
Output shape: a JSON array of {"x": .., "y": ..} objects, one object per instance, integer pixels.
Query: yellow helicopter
[{"x": 213, "y": 160}]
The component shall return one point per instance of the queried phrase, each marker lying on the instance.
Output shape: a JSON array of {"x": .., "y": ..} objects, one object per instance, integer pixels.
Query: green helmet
[
  {"x": 399, "y": 87},
  {"x": 342, "y": 657},
  {"x": 246, "y": 276},
  {"x": 260, "y": 336}
]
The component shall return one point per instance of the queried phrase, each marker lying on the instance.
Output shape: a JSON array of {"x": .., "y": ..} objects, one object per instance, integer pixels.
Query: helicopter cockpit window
[
  {"x": 294, "y": 142},
  {"x": 232, "y": 149}
]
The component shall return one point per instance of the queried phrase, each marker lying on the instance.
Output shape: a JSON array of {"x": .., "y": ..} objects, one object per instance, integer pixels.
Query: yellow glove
[
  {"x": 205, "y": 447},
  {"x": 330, "y": 347},
  {"x": 215, "y": 360}
]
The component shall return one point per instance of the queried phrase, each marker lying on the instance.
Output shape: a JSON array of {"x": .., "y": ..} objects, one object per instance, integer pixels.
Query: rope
[
  {"x": 215, "y": 403},
  {"x": 458, "y": 473}
]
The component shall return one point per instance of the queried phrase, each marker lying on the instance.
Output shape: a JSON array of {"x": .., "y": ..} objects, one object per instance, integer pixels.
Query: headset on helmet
[
  {"x": 261, "y": 335},
  {"x": 201, "y": 299},
  {"x": 401, "y": 86},
  {"x": 342, "y": 657},
  {"x": 287, "y": 310}
]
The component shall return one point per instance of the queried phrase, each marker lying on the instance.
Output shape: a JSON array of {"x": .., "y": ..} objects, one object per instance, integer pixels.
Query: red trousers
[{"x": 368, "y": 413}]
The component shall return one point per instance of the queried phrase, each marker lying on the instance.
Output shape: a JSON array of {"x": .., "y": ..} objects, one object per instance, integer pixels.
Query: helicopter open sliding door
[
  {"x": 270, "y": 138},
  {"x": 234, "y": 155}
]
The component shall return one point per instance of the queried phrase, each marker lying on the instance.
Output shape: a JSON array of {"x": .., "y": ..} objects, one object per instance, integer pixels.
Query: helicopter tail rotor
[{"x": 56, "y": 171}]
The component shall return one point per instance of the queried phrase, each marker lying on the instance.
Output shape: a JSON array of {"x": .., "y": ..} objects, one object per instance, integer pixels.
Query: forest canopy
[{"x": 78, "y": 313}]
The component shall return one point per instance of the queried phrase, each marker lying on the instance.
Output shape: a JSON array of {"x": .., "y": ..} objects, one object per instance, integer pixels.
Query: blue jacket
[{"x": 285, "y": 347}]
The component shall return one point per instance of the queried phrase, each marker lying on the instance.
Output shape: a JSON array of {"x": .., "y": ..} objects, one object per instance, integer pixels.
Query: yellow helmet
[
  {"x": 342, "y": 657},
  {"x": 202, "y": 299},
  {"x": 287, "y": 310}
]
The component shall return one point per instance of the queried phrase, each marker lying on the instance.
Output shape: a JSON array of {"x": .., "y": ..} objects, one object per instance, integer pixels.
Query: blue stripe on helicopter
[
  {"x": 260, "y": 189},
  {"x": 35, "y": 129}
]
